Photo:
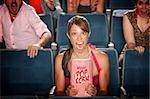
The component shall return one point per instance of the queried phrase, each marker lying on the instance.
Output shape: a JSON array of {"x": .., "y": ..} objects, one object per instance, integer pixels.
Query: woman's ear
[{"x": 68, "y": 36}]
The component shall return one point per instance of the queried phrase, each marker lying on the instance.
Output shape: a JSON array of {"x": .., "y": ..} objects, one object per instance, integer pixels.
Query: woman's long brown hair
[{"x": 84, "y": 25}]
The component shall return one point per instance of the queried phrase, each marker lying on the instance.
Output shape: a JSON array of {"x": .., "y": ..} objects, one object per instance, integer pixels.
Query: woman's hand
[
  {"x": 71, "y": 91},
  {"x": 140, "y": 49},
  {"x": 91, "y": 89}
]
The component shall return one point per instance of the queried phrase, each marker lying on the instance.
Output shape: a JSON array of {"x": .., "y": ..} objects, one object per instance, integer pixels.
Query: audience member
[
  {"x": 22, "y": 28},
  {"x": 52, "y": 7},
  {"x": 78, "y": 34},
  {"x": 136, "y": 27},
  {"x": 85, "y": 6}
]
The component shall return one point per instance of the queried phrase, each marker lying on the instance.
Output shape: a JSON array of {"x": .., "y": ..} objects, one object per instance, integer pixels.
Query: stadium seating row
[
  {"x": 21, "y": 75},
  {"x": 99, "y": 30}
]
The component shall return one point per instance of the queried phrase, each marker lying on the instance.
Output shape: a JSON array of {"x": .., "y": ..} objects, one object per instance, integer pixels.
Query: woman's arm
[
  {"x": 70, "y": 6},
  {"x": 59, "y": 76},
  {"x": 128, "y": 32},
  {"x": 129, "y": 35},
  {"x": 100, "y": 6},
  {"x": 104, "y": 73}
]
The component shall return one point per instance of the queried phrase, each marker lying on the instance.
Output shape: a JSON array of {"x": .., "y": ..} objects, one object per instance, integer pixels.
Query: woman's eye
[
  {"x": 74, "y": 33},
  {"x": 84, "y": 33}
]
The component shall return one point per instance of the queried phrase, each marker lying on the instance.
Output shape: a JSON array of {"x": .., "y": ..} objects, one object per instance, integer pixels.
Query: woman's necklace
[{"x": 82, "y": 56}]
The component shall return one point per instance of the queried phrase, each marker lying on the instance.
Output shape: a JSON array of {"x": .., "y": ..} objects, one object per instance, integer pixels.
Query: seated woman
[
  {"x": 85, "y": 6},
  {"x": 78, "y": 34},
  {"x": 136, "y": 28}
]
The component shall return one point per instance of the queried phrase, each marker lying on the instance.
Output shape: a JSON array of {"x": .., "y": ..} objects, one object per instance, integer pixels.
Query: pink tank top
[{"x": 95, "y": 78}]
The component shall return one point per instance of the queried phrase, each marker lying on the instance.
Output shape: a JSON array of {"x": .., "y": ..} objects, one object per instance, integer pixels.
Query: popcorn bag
[{"x": 81, "y": 75}]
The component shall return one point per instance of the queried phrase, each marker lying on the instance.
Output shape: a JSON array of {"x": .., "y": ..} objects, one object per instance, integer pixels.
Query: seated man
[{"x": 22, "y": 28}]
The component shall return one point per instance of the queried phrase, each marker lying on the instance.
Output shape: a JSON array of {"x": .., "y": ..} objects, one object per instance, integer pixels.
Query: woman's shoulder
[
  {"x": 60, "y": 56},
  {"x": 101, "y": 57},
  {"x": 99, "y": 53},
  {"x": 130, "y": 12}
]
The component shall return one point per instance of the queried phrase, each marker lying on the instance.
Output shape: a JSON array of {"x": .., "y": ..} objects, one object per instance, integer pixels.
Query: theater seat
[
  {"x": 47, "y": 19},
  {"x": 136, "y": 73},
  {"x": 114, "y": 85},
  {"x": 99, "y": 29},
  {"x": 21, "y": 75},
  {"x": 117, "y": 36},
  {"x": 121, "y": 4}
]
